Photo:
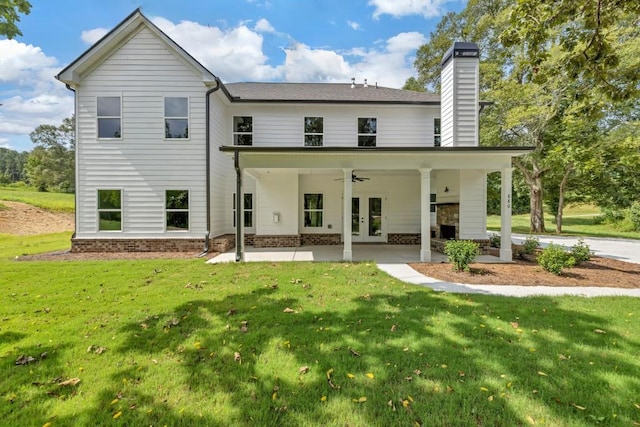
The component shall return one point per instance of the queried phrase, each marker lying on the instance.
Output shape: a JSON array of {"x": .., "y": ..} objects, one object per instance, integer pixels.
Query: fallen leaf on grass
[
  {"x": 531, "y": 420},
  {"x": 582, "y": 408},
  {"x": 323, "y": 399},
  {"x": 599, "y": 331},
  {"x": 392, "y": 405},
  {"x": 360, "y": 400},
  {"x": 70, "y": 381},
  {"x": 97, "y": 349},
  {"x": 117, "y": 415},
  {"x": 370, "y": 375},
  {"x": 350, "y": 376},
  {"x": 355, "y": 353},
  {"x": 231, "y": 312},
  {"x": 303, "y": 370},
  {"x": 288, "y": 310},
  {"x": 515, "y": 325},
  {"x": 636, "y": 405},
  {"x": 393, "y": 328},
  {"x": 542, "y": 374},
  {"x": 237, "y": 357}
]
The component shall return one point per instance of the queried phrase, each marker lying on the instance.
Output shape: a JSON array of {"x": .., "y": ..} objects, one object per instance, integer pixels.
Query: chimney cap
[{"x": 461, "y": 50}]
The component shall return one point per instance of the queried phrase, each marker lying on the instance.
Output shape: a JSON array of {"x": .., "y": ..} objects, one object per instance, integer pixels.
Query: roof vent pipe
[
  {"x": 365, "y": 83},
  {"x": 353, "y": 82}
]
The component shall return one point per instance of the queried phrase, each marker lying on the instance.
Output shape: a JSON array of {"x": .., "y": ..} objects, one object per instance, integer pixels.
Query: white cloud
[
  {"x": 397, "y": 8},
  {"x": 263, "y": 26},
  {"x": 354, "y": 25},
  {"x": 92, "y": 36},
  {"x": 30, "y": 94},
  {"x": 4, "y": 143},
  {"x": 232, "y": 54}
]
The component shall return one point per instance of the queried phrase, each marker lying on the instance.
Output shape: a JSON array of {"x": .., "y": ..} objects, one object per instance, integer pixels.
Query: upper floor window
[
  {"x": 176, "y": 117},
  {"x": 177, "y": 210},
  {"x": 313, "y": 131},
  {"x": 109, "y": 117},
  {"x": 367, "y": 131},
  {"x": 436, "y": 132},
  {"x": 242, "y": 130},
  {"x": 109, "y": 210}
]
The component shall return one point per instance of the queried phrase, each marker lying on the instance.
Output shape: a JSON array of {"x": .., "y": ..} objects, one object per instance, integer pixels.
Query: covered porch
[{"x": 281, "y": 210}]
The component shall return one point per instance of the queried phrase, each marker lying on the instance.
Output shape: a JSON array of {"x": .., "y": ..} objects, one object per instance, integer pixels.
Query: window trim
[
  {"x": 437, "y": 136},
  {"x": 236, "y": 133},
  {"x": 99, "y": 210},
  {"x": 98, "y": 117},
  {"x": 304, "y": 211},
  {"x": 244, "y": 210},
  {"x": 187, "y": 210},
  {"x": 187, "y": 118},
  {"x": 373, "y": 134},
  {"x": 321, "y": 134}
]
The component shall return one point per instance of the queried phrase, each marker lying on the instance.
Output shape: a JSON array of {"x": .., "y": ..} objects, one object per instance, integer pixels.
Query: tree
[
  {"x": 538, "y": 101},
  {"x": 12, "y": 165},
  {"x": 51, "y": 163},
  {"x": 10, "y": 11}
]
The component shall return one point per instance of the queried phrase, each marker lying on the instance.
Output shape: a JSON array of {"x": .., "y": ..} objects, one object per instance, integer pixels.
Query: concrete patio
[{"x": 382, "y": 254}]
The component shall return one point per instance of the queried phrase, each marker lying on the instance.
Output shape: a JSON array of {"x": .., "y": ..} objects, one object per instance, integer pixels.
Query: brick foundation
[
  {"x": 136, "y": 245},
  {"x": 403, "y": 238},
  {"x": 321, "y": 239},
  {"x": 485, "y": 245},
  {"x": 288, "y": 241}
]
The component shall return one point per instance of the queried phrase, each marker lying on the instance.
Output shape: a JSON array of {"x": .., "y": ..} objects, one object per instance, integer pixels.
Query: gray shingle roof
[{"x": 325, "y": 92}]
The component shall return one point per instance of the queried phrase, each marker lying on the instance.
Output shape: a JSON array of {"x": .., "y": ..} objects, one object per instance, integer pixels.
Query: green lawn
[
  {"x": 179, "y": 342},
  {"x": 61, "y": 202},
  {"x": 580, "y": 220}
]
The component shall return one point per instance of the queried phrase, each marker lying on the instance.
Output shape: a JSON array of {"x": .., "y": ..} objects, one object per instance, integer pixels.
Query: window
[
  {"x": 176, "y": 117},
  {"x": 176, "y": 205},
  {"x": 109, "y": 210},
  {"x": 242, "y": 130},
  {"x": 109, "y": 117},
  {"x": 367, "y": 130},
  {"x": 313, "y": 210},
  {"x": 436, "y": 132},
  {"x": 433, "y": 203},
  {"x": 248, "y": 210},
  {"x": 313, "y": 129}
]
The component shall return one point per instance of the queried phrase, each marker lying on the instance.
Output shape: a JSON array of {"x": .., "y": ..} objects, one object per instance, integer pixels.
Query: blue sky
[{"x": 238, "y": 40}]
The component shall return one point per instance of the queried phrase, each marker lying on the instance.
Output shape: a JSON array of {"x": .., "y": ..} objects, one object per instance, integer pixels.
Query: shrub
[
  {"x": 462, "y": 253},
  {"x": 494, "y": 240},
  {"x": 531, "y": 243},
  {"x": 581, "y": 252},
  {"x": 554, "y": 258},
  {"x": 634, "y": 215}
]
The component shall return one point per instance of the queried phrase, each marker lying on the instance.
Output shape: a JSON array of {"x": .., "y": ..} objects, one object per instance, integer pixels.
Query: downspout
[
  {"x": 208, "y": 167},
  {"x": 75, "y": 161},
  {"x": 239, "y": 206}
]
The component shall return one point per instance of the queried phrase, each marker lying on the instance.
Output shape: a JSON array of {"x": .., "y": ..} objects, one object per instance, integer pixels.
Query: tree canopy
[{"x": 10, "y": 11}]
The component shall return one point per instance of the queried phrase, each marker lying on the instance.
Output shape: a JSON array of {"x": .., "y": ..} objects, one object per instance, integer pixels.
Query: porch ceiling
[{"x": 380, "y": 158}]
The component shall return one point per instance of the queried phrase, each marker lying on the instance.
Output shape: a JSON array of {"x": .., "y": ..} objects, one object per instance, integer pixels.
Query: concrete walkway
[{"x": 393, "y": 259}]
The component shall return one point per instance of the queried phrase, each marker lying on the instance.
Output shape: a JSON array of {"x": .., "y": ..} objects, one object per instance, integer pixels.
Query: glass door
[{"x": 367, "y": 219}]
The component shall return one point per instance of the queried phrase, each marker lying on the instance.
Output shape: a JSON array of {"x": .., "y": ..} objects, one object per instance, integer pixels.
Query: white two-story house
[{"x": 170, "y": 158}]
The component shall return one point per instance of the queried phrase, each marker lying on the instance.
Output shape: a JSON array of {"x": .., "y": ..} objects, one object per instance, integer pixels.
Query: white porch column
[
  {"x": 425, "y": 215},
  {"x": 347, "y": 254},
  {"x": 505, "y": 215}
]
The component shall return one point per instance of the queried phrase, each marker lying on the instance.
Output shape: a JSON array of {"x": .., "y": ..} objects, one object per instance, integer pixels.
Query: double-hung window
[
  {"x": 242, "y": 130},
  {"x": 176, "y": 205},
  {"x": 367, "y": 131},
  {"x": 247, "y": 206},
  {"x": 176, "y": 117},
  {"x": 109, "y": 113},
  {"x": 109, "y": 210},
  {"x": 436, "y": 132},
  {"x": 313, "y": 131},
  {"x": 313, "y": 210}
]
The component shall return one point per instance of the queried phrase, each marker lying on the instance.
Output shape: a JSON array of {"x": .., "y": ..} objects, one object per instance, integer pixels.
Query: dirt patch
[
  {"x": 597, "y": 272},
  {"x": 23, "y": 219}
]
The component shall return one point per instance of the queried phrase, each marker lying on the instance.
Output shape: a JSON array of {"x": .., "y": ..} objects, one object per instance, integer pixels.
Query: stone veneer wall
[{"x": 448, "y": 214}]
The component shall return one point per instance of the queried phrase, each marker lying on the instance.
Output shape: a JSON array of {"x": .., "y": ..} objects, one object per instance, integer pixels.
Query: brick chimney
[{"x": 459, "y": 105}]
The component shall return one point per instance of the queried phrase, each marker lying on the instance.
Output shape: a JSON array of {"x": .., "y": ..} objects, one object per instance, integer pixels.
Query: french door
[{"x": 368, "y": 218}]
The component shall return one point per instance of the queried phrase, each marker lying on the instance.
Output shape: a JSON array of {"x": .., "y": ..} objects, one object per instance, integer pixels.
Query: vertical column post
[
  {"x": 239, "y": 210},
  {"x": 425, "y": 215},
  {"x": 347, "y": 253},
  {"x": 505, "y": 215}
]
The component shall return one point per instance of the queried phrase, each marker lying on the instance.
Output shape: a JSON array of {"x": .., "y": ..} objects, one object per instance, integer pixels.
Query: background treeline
[{"x": 50, "y": 166}]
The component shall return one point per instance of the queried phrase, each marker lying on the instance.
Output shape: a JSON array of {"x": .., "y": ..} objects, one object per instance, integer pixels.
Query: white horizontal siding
[
  {"x": 277, "y": 192},
  {"x": 282, "y": 125},
  {"x": 447, "y": 95},
  {"x": 473, "y": 209},
  {"x": 466, "y": 101},
  {"x": 143, "y": 163}
]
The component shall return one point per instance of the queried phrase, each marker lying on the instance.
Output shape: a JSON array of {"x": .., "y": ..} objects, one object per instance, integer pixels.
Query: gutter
[
  {"x": 239, "y": 207},
  {"x": 207, "y": 138},
  {"x": 75, "y": 160}
]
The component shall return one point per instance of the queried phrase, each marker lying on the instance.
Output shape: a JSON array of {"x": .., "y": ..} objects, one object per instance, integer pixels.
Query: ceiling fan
[{"x": 355, "y": 178}]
